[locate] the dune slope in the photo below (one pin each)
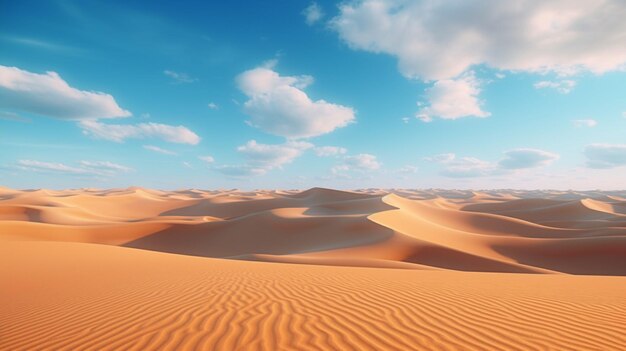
(72, 296)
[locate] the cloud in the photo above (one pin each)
(453, 99)
(516, 159)
(526, 158)
(272, 156)
(159, 150)
(213, 106)
(261, 158)
(562, 86)
(579, 123)
(407, 169)
(327, 151)
(360, 162)
(12, 116)
(105, 166)
(466, 167)
(207, 159)
(278, 105)
(240, 170)
(120, 132)
(179, 77)
(313, 13)
(605, 155)
(435, 40)
(85, 168)
(49, 95)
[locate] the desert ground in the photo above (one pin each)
(321, 269)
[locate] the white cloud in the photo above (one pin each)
(327, 151)
(436, 40)
(120, 132)
(261, 158)
(159, 150)
(213, 106)
(240, 170)
(516, 159)
(407, 169)
(579, 123)
(453, 99)
(605, 155)
(562, 86)
(467, 167)
(187, 164)
(526, 158)
(85, 168)
(313, 13)
(207, 159)
(105, 165)
(272, 156)
(178, 77)
(277, 105)
(441, 158)
(49, 95)
(360, 162)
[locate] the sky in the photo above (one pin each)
(294, 94)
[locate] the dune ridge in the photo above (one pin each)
(506, 231)
(321, 269)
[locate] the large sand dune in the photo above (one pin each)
(191, 269)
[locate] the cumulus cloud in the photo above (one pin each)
(453, 99)
(327, 151)
(159, 150)
(49, 95)
(562, 86)
(605, 155)
(278, 105)
(526, 158)
(84, 168)
(120, 132)
(178, 77)
(436, 40)
(516, 159)
(579, 123)
(312, 14)
(213, 106)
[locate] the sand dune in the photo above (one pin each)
(402, 269)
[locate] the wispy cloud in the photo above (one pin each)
(513, 160)
(89, 168)
(589, 123)
(561, 86)
(121, 132)
(178, 77)
(159, 150)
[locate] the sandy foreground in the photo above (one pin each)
(144, 269)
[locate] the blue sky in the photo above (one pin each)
(295, 94)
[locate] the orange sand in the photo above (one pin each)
(152, 270)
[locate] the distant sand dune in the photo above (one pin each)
(142, 269)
